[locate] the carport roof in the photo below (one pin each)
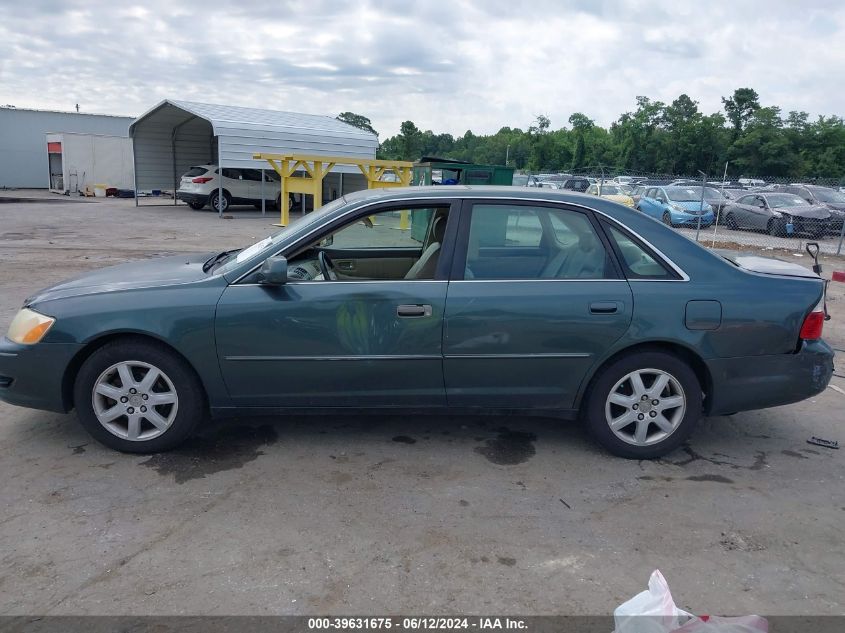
(225, 118)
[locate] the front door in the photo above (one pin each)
(536, 302)
(369, 335)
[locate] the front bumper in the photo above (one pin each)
(32, 375)
(691, 219)
(758, 382)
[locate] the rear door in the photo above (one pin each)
(535, 299)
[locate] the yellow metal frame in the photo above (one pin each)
(317, 167)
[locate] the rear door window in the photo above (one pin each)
(525, 242)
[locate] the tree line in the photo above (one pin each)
(656, 138)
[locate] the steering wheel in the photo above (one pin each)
(326, 266)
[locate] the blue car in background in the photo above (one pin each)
(676, 206)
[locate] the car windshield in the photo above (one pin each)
(829, 195)
(785, 200)
(611, 190)
(297, 225)
(687, 194)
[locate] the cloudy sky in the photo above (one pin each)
(447, 66)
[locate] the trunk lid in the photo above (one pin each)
(766, 265)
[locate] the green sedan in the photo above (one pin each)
(435, 299)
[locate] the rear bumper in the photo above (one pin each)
(758, 382)
(31, 375)
(192, 198)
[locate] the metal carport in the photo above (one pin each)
(174, 135)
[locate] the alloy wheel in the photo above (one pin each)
(645, 407)
(134, 400)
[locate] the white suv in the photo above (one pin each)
(199, 187)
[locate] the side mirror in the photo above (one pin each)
(274, 271)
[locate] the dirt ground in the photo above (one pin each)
(386, 515)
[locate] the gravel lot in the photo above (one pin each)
(377, 515)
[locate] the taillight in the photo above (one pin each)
(811, 329)
(201, 180)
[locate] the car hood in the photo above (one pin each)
(766, 265)
(816, 212)
(626, 200)
(150, 273)
(838, 207)
(692, 205)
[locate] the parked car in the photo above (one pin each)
(338, 312)
(636, 192)
(556, 181)
(525, 180)
(611, 192)
(778, 214)
(734, 193)
(712, 196)
(832, 200)
(576, 183)
(199, 187)
(676, 206)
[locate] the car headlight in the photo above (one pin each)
(677, 207)
(28, 327)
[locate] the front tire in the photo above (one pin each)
(730, 221)
(196, 206)
(667, 219)
(137, 396)
(643, 405)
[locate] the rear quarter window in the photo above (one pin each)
(193, 172)
(637, 261)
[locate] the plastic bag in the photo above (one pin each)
(654, 611)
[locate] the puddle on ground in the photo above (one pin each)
(231, 447)
(510, 448)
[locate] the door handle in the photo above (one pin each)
(413, 311)
(604, 307)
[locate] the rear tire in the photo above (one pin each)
(620, 408)
(122, 411)
(212, 201)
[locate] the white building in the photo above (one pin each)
(78, 161)
(24, 159)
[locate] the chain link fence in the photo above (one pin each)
(743, 213)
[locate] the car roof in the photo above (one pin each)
(472, 191)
